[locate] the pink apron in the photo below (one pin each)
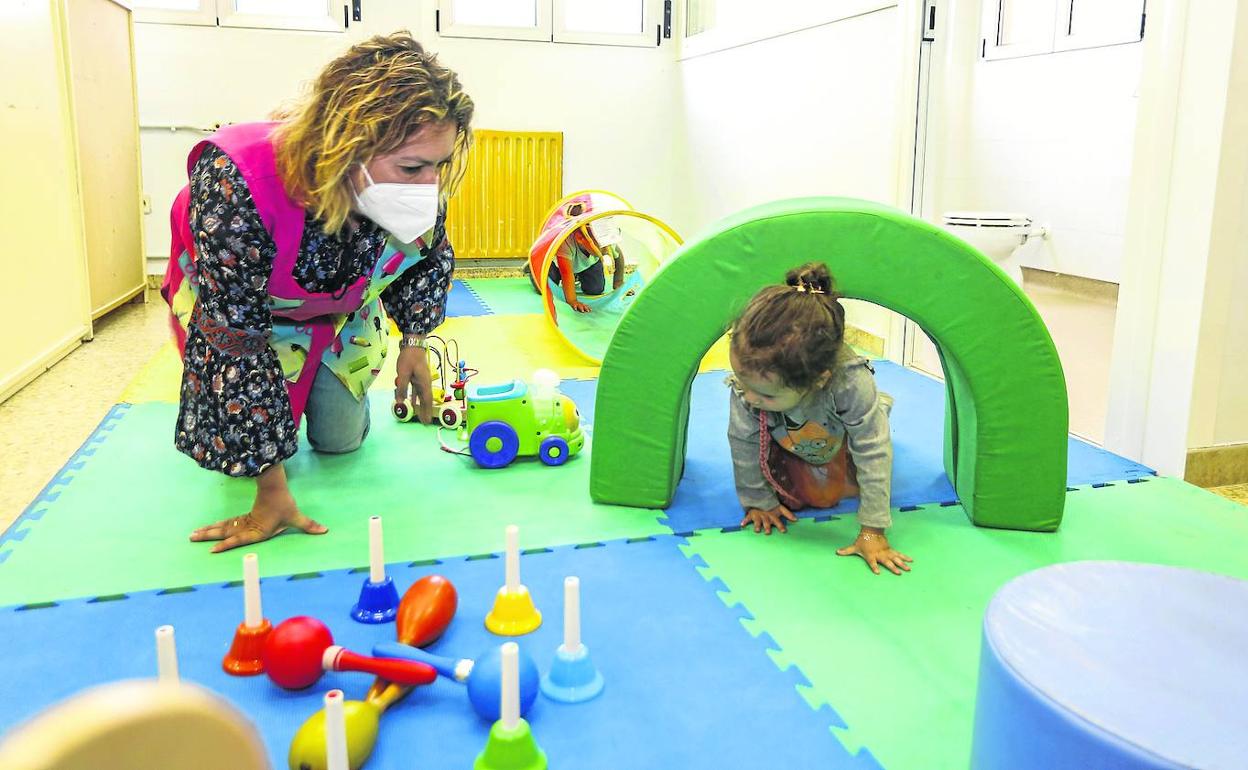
(316, 322)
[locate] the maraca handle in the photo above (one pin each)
(445, 666)
(407, 672)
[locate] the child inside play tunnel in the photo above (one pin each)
(807, 425)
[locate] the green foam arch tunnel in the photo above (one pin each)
(1006, 419)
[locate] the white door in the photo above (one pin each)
(917, 351)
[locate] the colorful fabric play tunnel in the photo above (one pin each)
(1105, 664)
(1006, 411)
(631, 246)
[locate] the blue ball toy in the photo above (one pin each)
(485, 684)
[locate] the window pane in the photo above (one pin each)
(299, 8)
(496, 13)
(1099, 17)
(699, 16)
(1025, 21)
(609, 16)
(167, 5)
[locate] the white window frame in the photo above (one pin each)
(708, 10)
(204, 16)
(649, 37)
(448, 27)
(221, 13)
(551, 28)
(768, 24)
(993, 49)
(1059, 38)
(1064, 41)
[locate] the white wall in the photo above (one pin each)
(1231, 417)
(813, 112)
(1178, 363)
(1231, 423)
(1220, 394)
(613, 104)
(1050, 136)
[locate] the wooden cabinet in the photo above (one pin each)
(101, 73)
(70, 219)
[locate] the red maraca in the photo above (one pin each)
(300, 649)
(425, 611)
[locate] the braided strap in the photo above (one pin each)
(764, 461)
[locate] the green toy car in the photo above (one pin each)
(503, 423)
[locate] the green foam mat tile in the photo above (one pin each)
(506, 296)
(897, 657)
(119, 517)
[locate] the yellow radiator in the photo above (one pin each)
(513, 179)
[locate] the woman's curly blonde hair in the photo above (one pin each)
(365, 103)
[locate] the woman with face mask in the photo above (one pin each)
(294, 245)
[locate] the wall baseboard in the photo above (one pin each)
(43, 362)
(1217, 466)
(1091, 288)
(864, 340)
(493, 267)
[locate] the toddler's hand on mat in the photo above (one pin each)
(873, 547)
(765, 520)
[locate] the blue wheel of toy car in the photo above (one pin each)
(554, 451)
(493, 444)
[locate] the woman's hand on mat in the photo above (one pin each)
(765, 520)
(273, 512)
(873, 547)
(413, 370)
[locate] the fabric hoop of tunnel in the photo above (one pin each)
(607, 226)
(1006, 412)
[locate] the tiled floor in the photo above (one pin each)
(1236, 492)
(63, 405)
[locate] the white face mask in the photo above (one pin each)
(606, 233)
(407, 211)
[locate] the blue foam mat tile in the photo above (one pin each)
(463, 301)
(706, 496)
(830, 715)
(767, 641)
(796, 676)
(697, 561)
(683, 677)
(865, 760)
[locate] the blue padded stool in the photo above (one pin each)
(1103, 664)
